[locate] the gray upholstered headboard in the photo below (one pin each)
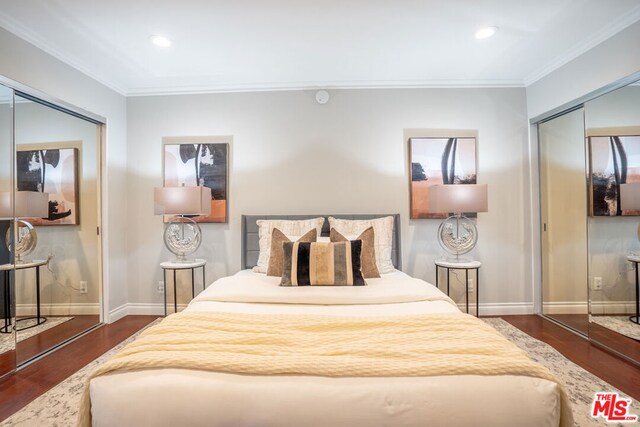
(250, 239)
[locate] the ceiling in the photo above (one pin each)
(243, 45)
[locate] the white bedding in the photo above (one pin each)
(392, 294)
(169, 397)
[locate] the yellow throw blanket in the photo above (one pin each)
(330, 346)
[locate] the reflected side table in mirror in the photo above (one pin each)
(635, 259)
(6, 269)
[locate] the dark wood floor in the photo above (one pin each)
(30, 382)
(37, 378)
(619, 373)
(579, 322)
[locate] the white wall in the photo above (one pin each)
(29, 65)
(292, 155)
(611, 60)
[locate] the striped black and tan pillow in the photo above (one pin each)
(322, 264)
(368, 260)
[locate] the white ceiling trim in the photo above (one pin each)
(13, 27)
(120, 87)
(607, 32)
(270, 87)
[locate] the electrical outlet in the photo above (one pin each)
(597, 283)
(83, 287)
(161, 287)
(472, 285)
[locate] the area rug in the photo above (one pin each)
(7, 341)
(581, 385)
(59, 406)
(619, 324)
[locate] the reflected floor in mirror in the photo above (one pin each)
(615, 341)
(619, 324)
(578, 322)
(61, 329)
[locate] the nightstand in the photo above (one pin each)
(461, 265)
(175, 266)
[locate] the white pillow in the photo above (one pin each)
(293, 229)
(383, 237)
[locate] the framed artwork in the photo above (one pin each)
(613, 160)
(438, 161)
(204, 161)
(53, 171)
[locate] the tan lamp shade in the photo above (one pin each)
(182, 200)
(29, 204)
(458, 198)
(630, 196)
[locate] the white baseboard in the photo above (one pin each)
(58, 309)
(502, 308)
(565, 307)
(613, 307)
(581, 307)
(140, 309)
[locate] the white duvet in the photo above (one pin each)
(391, 288)
(169, 397)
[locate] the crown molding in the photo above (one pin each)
(120, 87)
(331, 85)
(20, 31)
(607, 32)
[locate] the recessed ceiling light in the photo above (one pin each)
(160, 41)
(486, 32)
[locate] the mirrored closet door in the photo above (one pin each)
(613, 136)
(7, 333)
(563, 203)
(57, 274)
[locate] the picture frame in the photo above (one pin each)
(438, 160)
(200, 160)
(53, 169)
(613, 160)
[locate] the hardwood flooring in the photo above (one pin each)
(37, 378)
(30, 382)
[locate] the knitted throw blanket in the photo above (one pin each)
(329, 346)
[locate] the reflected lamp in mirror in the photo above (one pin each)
(28, 204)
(183, 235)
(458, 234)
(630, 198)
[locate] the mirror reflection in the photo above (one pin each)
(7, 333)
(563, 213)
(56, 207)
(613, 136)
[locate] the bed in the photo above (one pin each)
(172, 396)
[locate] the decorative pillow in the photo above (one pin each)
(277, 240)
(368, 258)
(293, 229)
(383, 237)
(328, 264)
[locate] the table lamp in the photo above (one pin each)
(28, 204)
(182, 236)
(630, 198)
(458, 234)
